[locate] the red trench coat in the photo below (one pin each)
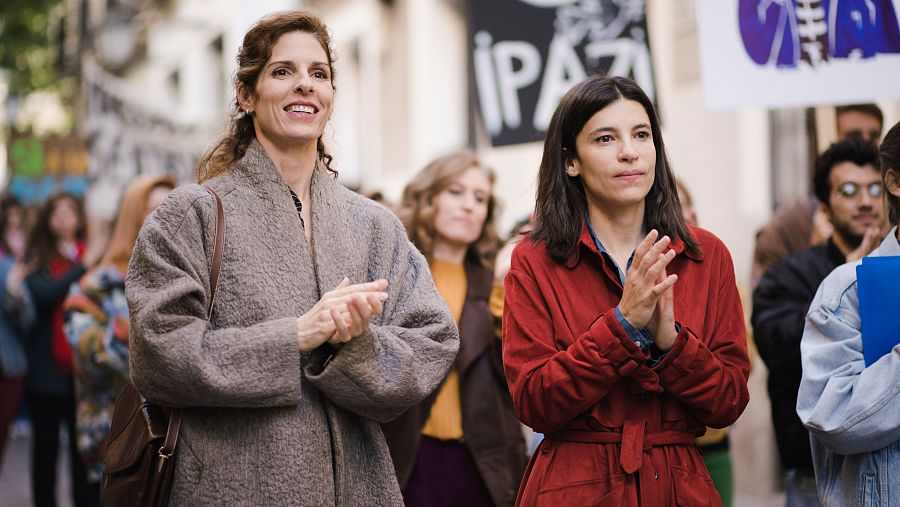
(619, 432)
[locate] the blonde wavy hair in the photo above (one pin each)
(417, 209)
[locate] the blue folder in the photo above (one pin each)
(879, 305)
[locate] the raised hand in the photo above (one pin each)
(643, 282)
(341, 314)
(662, 322)
(872, 238)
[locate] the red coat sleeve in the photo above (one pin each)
(709, 373)
(549, 386)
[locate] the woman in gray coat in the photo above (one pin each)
(326, 320)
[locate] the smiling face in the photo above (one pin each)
(615, 156)
(294, 93)
(462, 208)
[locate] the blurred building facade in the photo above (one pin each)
(156, 90)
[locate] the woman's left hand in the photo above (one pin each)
(662, 323)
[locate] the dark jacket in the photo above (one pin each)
(780, 303)
(48, 293)
(491, 431)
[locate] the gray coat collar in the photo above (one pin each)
(333, 248)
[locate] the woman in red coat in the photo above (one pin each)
(623, 330)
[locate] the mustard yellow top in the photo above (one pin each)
(495, 305)
(445, 420)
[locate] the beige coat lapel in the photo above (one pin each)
(265, 180)
(336, 240)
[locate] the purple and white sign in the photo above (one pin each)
(794, 53)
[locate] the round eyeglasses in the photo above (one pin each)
(850, 190)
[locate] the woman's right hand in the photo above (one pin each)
(642, 282)
(341, 314)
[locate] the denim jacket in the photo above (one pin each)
(16, 315)
(852, 412)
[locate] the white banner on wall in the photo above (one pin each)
(798, 53)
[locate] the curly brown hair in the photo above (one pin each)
(252, 57)
(417, 208)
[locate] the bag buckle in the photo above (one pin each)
(163, 456)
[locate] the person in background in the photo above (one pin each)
(714, 444)
(848, 182)
(54, 253)
(16, 314)
(687, 203)
(518, 232)
(853, 411)
(376, 196)
(463, 445)
(325, 322)
(623, 332)
(12, 228)
(97, 326)
(804, 224)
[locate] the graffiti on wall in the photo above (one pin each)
(527, 53)
(40, 167)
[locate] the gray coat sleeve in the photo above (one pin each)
(406, 352)
(176, 359)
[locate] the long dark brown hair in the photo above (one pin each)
(252, 57)
(561, 204)
(890, 161)
(417, 208)
(42, 246)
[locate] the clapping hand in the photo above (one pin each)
(341, 314)
(647, 298)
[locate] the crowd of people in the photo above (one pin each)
(359, 354)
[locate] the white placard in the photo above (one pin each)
(798, 53)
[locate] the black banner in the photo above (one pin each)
(527, 53)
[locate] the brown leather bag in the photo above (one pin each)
(138, 464)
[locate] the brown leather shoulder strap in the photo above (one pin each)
(168, 447)
(218, 249)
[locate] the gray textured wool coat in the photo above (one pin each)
(265, 424)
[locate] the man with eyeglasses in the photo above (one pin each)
(800, 225)
(848, 184)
